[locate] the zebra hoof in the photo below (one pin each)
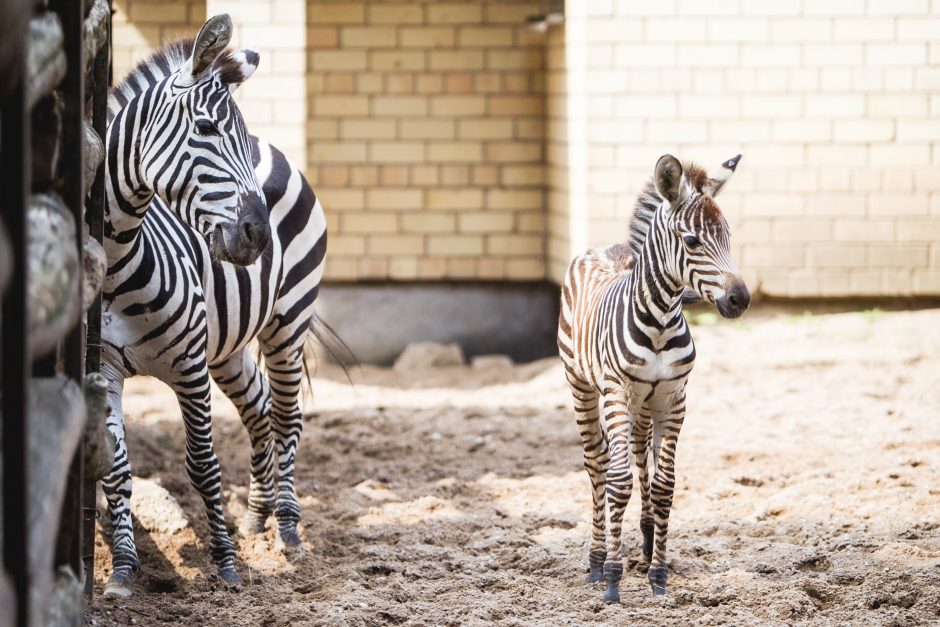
(119, 585)
(612, 593)
(252, 524)
(287, 538)
(657, 579)
(596, 575)
(229, 576)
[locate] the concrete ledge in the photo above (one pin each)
(378, 320)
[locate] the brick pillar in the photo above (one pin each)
(274, 100)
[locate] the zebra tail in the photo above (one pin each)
(323, 335)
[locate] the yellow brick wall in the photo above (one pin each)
(139, 26)
(425, 138)
(834, 103)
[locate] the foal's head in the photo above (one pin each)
(695, 234)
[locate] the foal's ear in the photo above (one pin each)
(212, 39)
(720, 175)
(668, 179)
(238, 67)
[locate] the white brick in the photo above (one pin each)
(896, 54)
(897, 7)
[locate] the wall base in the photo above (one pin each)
(377, 321)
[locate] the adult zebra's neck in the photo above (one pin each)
(129, 105)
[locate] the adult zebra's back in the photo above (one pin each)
(213, 239)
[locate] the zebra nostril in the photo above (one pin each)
(248, 228)
(734, 300)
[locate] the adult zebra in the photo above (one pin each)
(628, 352)
(213, 238)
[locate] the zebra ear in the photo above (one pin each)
(239, 67)
(212, 39)
(669, 181)
(720, 175)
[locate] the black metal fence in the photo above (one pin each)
(54, 76)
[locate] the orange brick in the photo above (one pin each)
(424, 175)
(508, 152)
(333, 60)
(330, 13)
(485, 175)
(403, 268)
(485, 36)
(456, 60)
(457, 105)
(400, 83)
(486, 128)
(427, 222)
(396, 245)
(440, 13)
(399, 106)
(454, 199)
(515, 245)
(388, 199)
(340, 106)
(455, 245)
(370, 222)
(397, 60)
(323, 36)
(455, 175)
(397, 152)
(367, 36)
(428, 129)
(463, 152)
(437, 37)
(405, 13)
(364, 175)
(485, 222)
(461, 268)
(515, 105)
(367, 129)
(458, 83)
(394, 175)
(334, 176)
(430, 84)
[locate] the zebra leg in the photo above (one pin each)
(666, 426)
(596, 460)
(285, 372)
(642, 431)
(202, 465)
(117, 490)
(619, 486)
(243, 382)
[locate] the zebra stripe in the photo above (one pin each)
(213, 239)
(628, 352)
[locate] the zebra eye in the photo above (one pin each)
(691, 241)
(206, 128)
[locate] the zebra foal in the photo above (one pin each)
(628, 352)
(213, 239)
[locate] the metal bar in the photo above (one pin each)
(95, 220)
(72, 16)
(15, 157)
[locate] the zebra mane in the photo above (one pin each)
(158, 66)
(649, 201)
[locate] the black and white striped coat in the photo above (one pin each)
(628, 352)
(213, 239)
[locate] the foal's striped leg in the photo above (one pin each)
(596, 460)
(642, 432)
(666, 427)
(619, 484)
(242, 381)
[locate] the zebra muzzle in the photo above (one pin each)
(241, 242)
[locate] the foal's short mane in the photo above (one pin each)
(158, 66)
(649, 201)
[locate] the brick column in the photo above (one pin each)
(274, 100)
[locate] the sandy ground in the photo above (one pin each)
(808, 493)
